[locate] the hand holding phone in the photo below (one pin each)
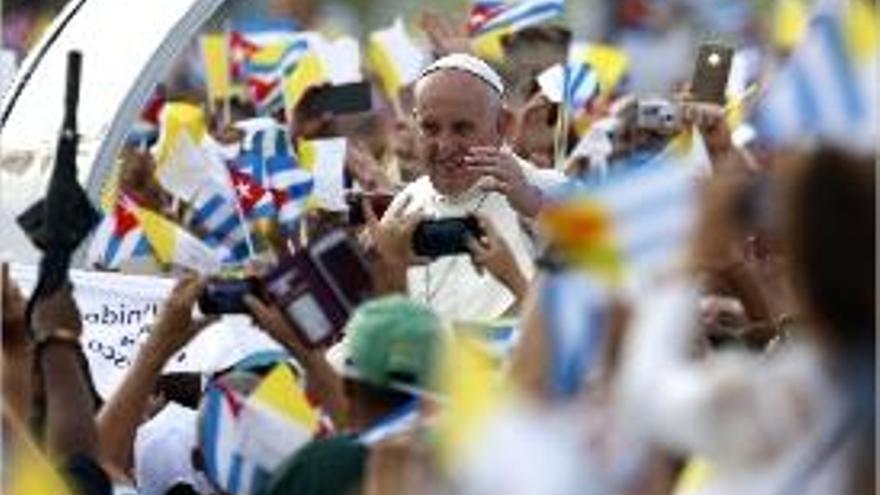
(491, 251)
(336, 100)
(714, 61)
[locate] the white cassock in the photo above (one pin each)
(450, 285)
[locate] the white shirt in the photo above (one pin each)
(757, 420)
(450, 285)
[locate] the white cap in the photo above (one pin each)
(470, 64)
(163, 452)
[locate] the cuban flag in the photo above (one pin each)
(117, 238)
(269, 160)
(226, 221)
(244, 439)
(493, 15)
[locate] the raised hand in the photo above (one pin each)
(175, 327)
(447, 35)
(491, 252)
(502, 173)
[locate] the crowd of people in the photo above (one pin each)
(681, 307)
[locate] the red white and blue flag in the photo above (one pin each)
(493, 15)
(118, 237)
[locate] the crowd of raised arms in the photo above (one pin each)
(474, 252)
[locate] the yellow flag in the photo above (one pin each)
(488, 46)
(584, 232)
(172, 244)
(110, 189)
(610, 63)
(860, 28)
(395, 57)
(694, 478)
(29, 471)
(215, 56)
(175, 119)
(470, 381)
(790, 20)
(281, 392)
(308, 72)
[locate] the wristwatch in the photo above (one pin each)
(43, 337)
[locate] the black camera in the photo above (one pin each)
(444, 237)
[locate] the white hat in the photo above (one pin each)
(470, 64)
(163, 452)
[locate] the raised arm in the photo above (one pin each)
(121, 416)
(17, 350)
(70, 425)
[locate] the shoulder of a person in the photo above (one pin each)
(418, 187)
(414, 195)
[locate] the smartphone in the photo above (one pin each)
(712, 70)
(226, 296)
(341, 99)
(378, 201)
(445, 237)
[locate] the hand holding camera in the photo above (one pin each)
(175, 327)
(491, 252)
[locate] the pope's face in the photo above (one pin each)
(454, 111)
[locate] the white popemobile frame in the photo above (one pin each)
(122, 61)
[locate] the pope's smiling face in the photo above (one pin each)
(454, 111)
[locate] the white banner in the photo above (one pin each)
(117, 311)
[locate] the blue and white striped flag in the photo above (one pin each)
(576, 84)
(637, 221)
(828, 91)
(220, 225)
(576, 317)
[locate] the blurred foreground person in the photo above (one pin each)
(799, 421)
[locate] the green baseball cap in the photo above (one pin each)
(392, 342)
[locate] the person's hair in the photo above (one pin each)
(182, 489)
(375, 399)
(546, 34)
(830, 227)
